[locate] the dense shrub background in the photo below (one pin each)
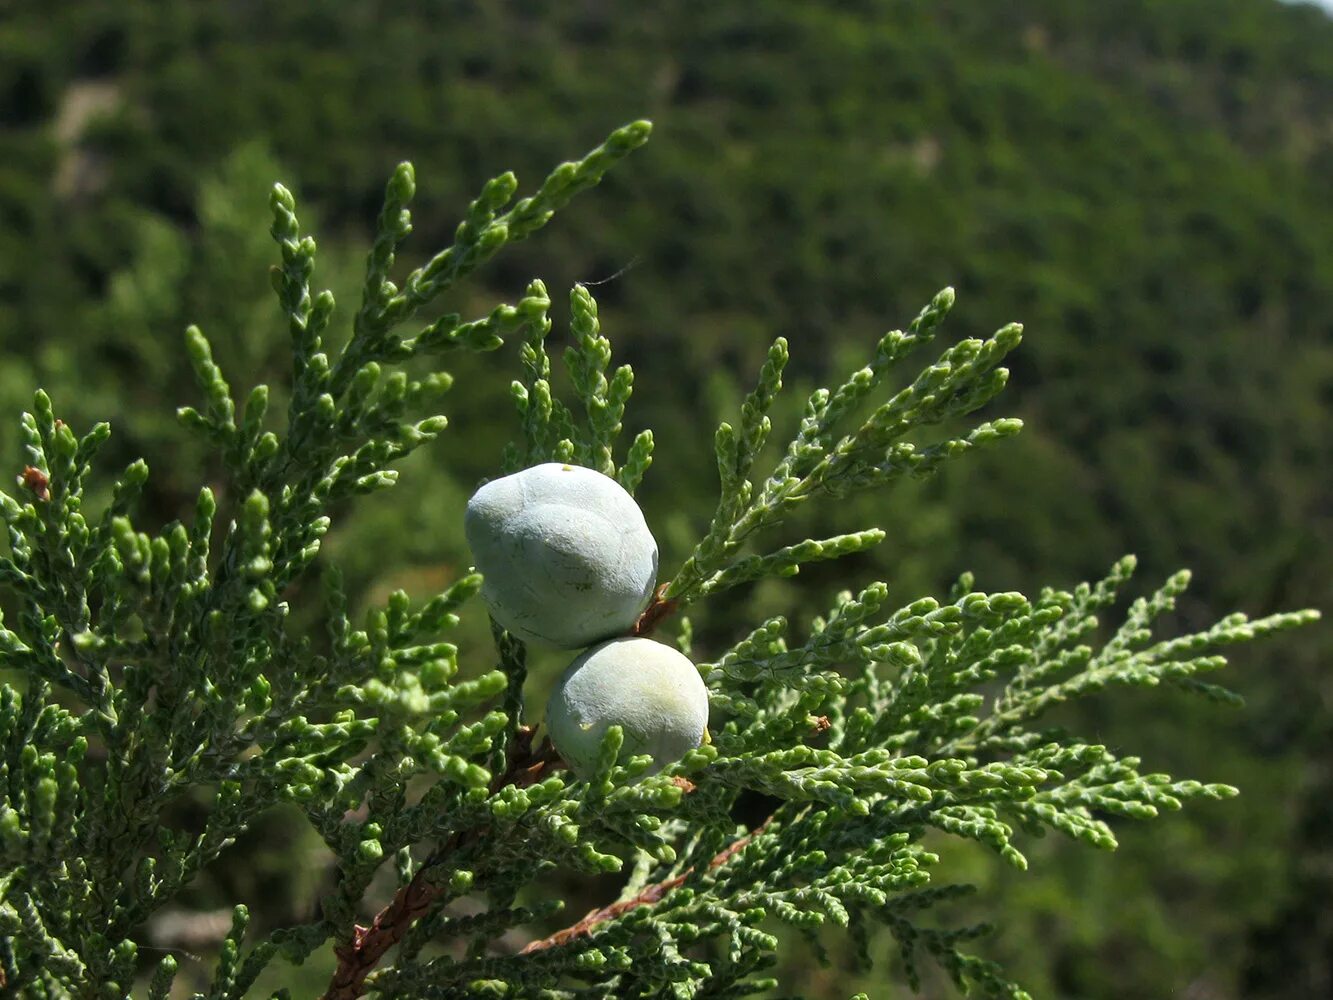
(1147, 186)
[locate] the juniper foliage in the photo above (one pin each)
(153, 665)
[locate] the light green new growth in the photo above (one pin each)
(156, 664)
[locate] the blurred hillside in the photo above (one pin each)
(1148, 186)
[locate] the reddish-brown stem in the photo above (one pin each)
(359, 956)
(647, 897)
(661, 607)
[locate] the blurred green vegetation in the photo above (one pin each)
(1148, 186)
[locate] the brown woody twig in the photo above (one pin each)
(660, 608)
(359, 956)
(648, 896)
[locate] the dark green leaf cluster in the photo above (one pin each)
(163, 664)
